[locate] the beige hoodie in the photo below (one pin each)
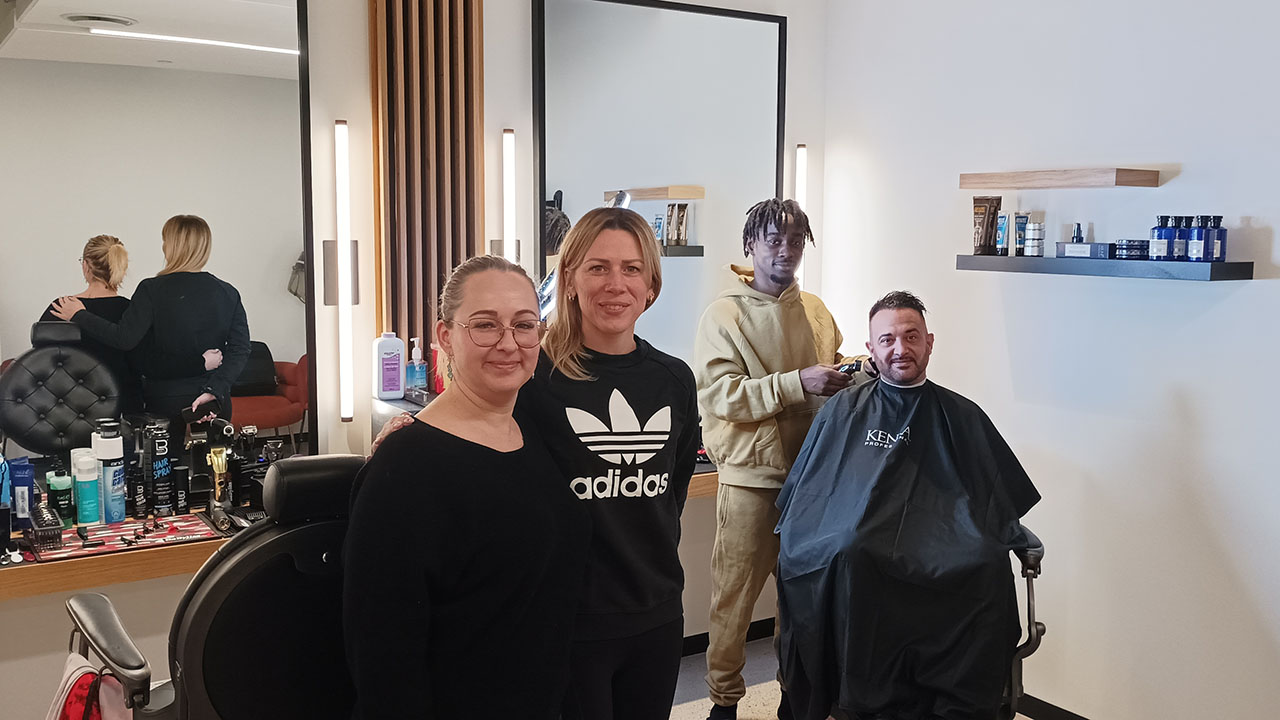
(748, 355)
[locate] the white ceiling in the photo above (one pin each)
(36, 30)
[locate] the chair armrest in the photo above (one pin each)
(1031, 555)
(96, 619)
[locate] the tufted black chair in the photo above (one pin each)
(50, 395)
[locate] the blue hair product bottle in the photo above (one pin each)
(1200, 241)
(1219, 239)
(1161, 247)
(1181, 234)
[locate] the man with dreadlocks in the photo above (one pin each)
(765, 360)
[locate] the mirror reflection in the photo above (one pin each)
(678, 108)
(112, 135)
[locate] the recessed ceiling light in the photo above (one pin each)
(194, 41)
(98, 20)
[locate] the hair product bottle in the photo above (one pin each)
(1161, 247)
(1219, 238)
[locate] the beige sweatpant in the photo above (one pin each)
(745, 554)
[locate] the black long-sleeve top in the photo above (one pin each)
(122, 364)
(626, 444)
(462, 573)
(185, 314)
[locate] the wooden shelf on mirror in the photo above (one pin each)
(666, 192)
(1151, 269)
(682, 250)
(1041, 179)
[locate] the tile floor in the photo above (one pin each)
(763, 693)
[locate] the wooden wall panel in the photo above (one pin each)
(428, 64)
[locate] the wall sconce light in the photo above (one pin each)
(343, 252)
(510, 246)
(801, 194)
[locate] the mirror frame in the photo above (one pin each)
(311, 436)
(539, 9)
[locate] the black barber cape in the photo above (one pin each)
(895, 587)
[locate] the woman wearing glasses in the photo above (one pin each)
(620, 419)
(465, 551)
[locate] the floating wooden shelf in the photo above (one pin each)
(1037, 179)
(667, 192)
(682, 250)
(1154, 269)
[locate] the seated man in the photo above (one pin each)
(895, 591)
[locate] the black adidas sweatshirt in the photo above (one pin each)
(626, 443)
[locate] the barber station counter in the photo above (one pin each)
(39, 578)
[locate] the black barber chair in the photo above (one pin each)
(51, 394)
(258, 633)
(1030, 558)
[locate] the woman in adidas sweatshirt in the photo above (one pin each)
(620, 419)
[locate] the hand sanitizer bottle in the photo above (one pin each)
(417, 374)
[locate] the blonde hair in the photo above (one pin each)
(186, 241)
(455, 287)
(564, 340)
(106, 259)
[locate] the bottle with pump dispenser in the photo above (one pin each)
(388, 367)
(416, 372)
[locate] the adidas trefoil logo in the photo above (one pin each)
(627, 442)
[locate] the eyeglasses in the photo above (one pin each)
(487, 333)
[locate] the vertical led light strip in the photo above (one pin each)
(342, 185)
(509, 195)
(801, 195)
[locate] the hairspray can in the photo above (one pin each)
(109, 446)
(161, 471)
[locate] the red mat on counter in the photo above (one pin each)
(176, 530)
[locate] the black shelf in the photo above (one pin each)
(1154, 269)
(682, 250)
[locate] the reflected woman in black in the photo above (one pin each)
(173, 319)
(104, 262)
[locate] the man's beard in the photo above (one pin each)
(783, 280)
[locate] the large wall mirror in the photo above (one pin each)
(681, 101)
(103, 134)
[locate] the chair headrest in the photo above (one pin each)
(54, 332)
(310, 487)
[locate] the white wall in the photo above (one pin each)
(1144, 410)
(98, 149)
(341, 90)
(678, 98)
(508, 103)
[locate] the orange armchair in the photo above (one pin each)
(282, 410)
